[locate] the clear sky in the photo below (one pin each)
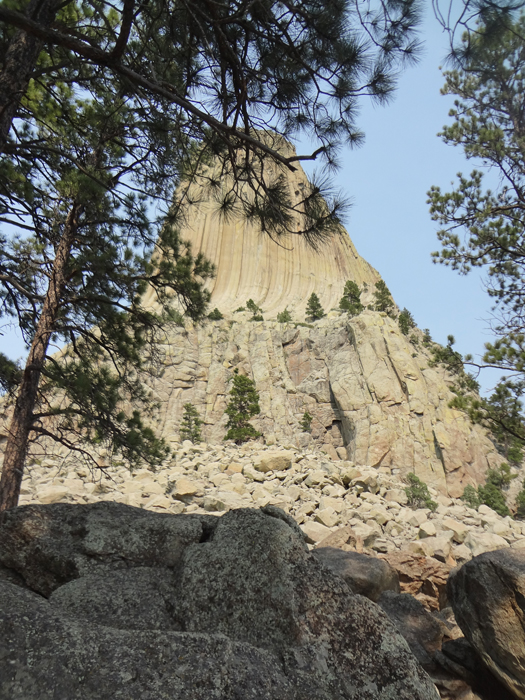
(387, 180)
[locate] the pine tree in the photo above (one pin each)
(406, 321)
(190, 425)
(77, 275)
(384, 301)
(483, 227)
(306, 422)
(351, 299)
(255, 310)
(314, 310)
(215, 315)
(243, 405)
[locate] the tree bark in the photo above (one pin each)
(22, 421)
(19, 63)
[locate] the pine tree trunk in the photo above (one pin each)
(19, 63)
(22, 421)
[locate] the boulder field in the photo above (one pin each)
(255, 572)
(324, 496)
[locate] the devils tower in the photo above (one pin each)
(372, 393)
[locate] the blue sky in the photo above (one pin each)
(387, 180)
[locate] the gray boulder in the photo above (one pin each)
(364, 574)
(488, 598)
(130, 599)
(246, 612)
(46, 655)
(51, 545)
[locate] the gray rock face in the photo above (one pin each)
(364, 574)
(488, 598)
(132, 599)
(47, 655)
(49, 546)
(246, 612)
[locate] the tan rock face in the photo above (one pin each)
(372, 395)
(369, 396)
(274, 275)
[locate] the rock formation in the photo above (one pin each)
(95, 594)
(374, 398)
(275, 274)
(372, 394)
(241, 610)
(336, 505)
(488, 597)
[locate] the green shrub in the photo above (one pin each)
(515, 454)
(427, 338)
(284, 317)
(252, 306)
(520, 503)
(406, 321)
(241, 308)
(447, 356)
(470, 496)
(306, 422)
(491, 494)
(314, 310)
(215, 315)
(418, 494)
(190, 425)
(501, 476)
(243, 404)
(256, 310)
(493, 497)
(414, 340)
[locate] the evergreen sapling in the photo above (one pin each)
(190, 426)
(243, 404)
(351, 299)
(384, 301)
(306, 422)
(314, 310)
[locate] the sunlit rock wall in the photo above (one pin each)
(250, 265)
(373, 396)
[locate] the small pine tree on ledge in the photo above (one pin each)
(384, 301)
(190, 426)
(351, 299)
(314, 310)
(243, 404)
(406, 321)
(306, 422)
(284, 316)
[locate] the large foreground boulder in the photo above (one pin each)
(241, 611)
(488, 598)
(51, 545)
